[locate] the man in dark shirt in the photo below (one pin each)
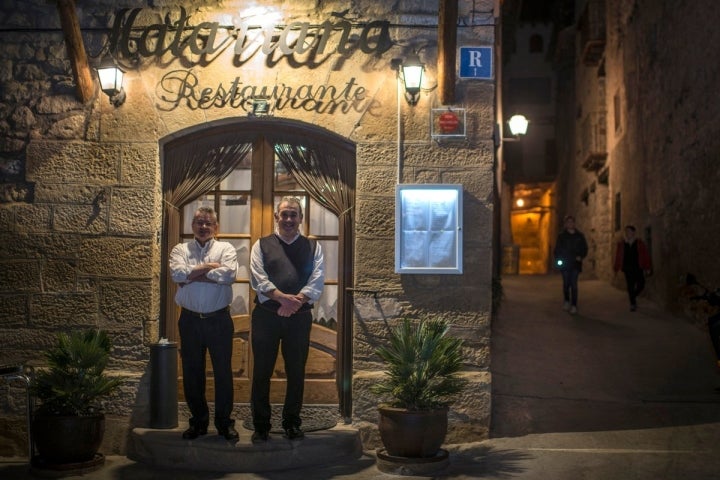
(570, 249)
(287, 275)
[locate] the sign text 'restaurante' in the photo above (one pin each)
(181, 87)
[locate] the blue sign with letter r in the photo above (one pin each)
(476, 62)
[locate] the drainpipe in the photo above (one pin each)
(399, 131)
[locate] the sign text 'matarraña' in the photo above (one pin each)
(204, 42)
(206, 39)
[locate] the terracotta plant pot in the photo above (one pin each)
(414, 434)
(68, 439)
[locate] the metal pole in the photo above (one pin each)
(19, 372)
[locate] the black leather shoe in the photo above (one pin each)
(229, 433)
(194, 431)
(294, 433)
(258, 436)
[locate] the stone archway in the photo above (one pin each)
(269, 133)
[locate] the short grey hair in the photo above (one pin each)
(205, 211)
(289, 199)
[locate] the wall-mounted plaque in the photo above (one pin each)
(428, 228)
(448, 122)
(476, 62)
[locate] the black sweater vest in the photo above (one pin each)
(288, 266)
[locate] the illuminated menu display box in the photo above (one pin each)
(428, 229)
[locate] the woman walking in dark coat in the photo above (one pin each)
(632, 257)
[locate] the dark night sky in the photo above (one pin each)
(537, 10)
(559, 12)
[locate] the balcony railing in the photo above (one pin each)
(591, 27)
(593, 141)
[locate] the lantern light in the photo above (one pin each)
(260, 106)
(518, 125)
(111, 80)
(411, 71)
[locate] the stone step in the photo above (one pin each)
(211, 452)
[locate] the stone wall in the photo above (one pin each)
(671, 113)
(657, 80)
(80, 193)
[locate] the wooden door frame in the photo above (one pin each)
(247, 129)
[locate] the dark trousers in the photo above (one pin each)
(635, 280)
(291, 335)
(197, 336)
(570, 285)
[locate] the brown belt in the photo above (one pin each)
(206, 315)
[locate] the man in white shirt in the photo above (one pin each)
(288, 276)
(205, 270)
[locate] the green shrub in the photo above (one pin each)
(422, 364)
(75, 380)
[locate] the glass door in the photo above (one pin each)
(245, 202)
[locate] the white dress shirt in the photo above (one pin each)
(204, 297)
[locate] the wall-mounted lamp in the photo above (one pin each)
(518, 125)
(111, 80)
(411, 70)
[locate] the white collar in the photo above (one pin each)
(281, 237)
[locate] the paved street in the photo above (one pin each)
(603, 395)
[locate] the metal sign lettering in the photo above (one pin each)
(182, 39)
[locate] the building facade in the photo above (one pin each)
(232, 105)
(635, 137)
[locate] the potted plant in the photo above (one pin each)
(68, 424)
(423, 364)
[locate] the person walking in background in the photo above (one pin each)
(570, 249)
(205, 270)
(632, 257)
(288, 276)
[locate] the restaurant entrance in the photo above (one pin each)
(259, 168)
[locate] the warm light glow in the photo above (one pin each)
(265, 16)
(520, 202)
(518, 125)
(412, 73)
(111, 79)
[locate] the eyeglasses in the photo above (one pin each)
(201, 223)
